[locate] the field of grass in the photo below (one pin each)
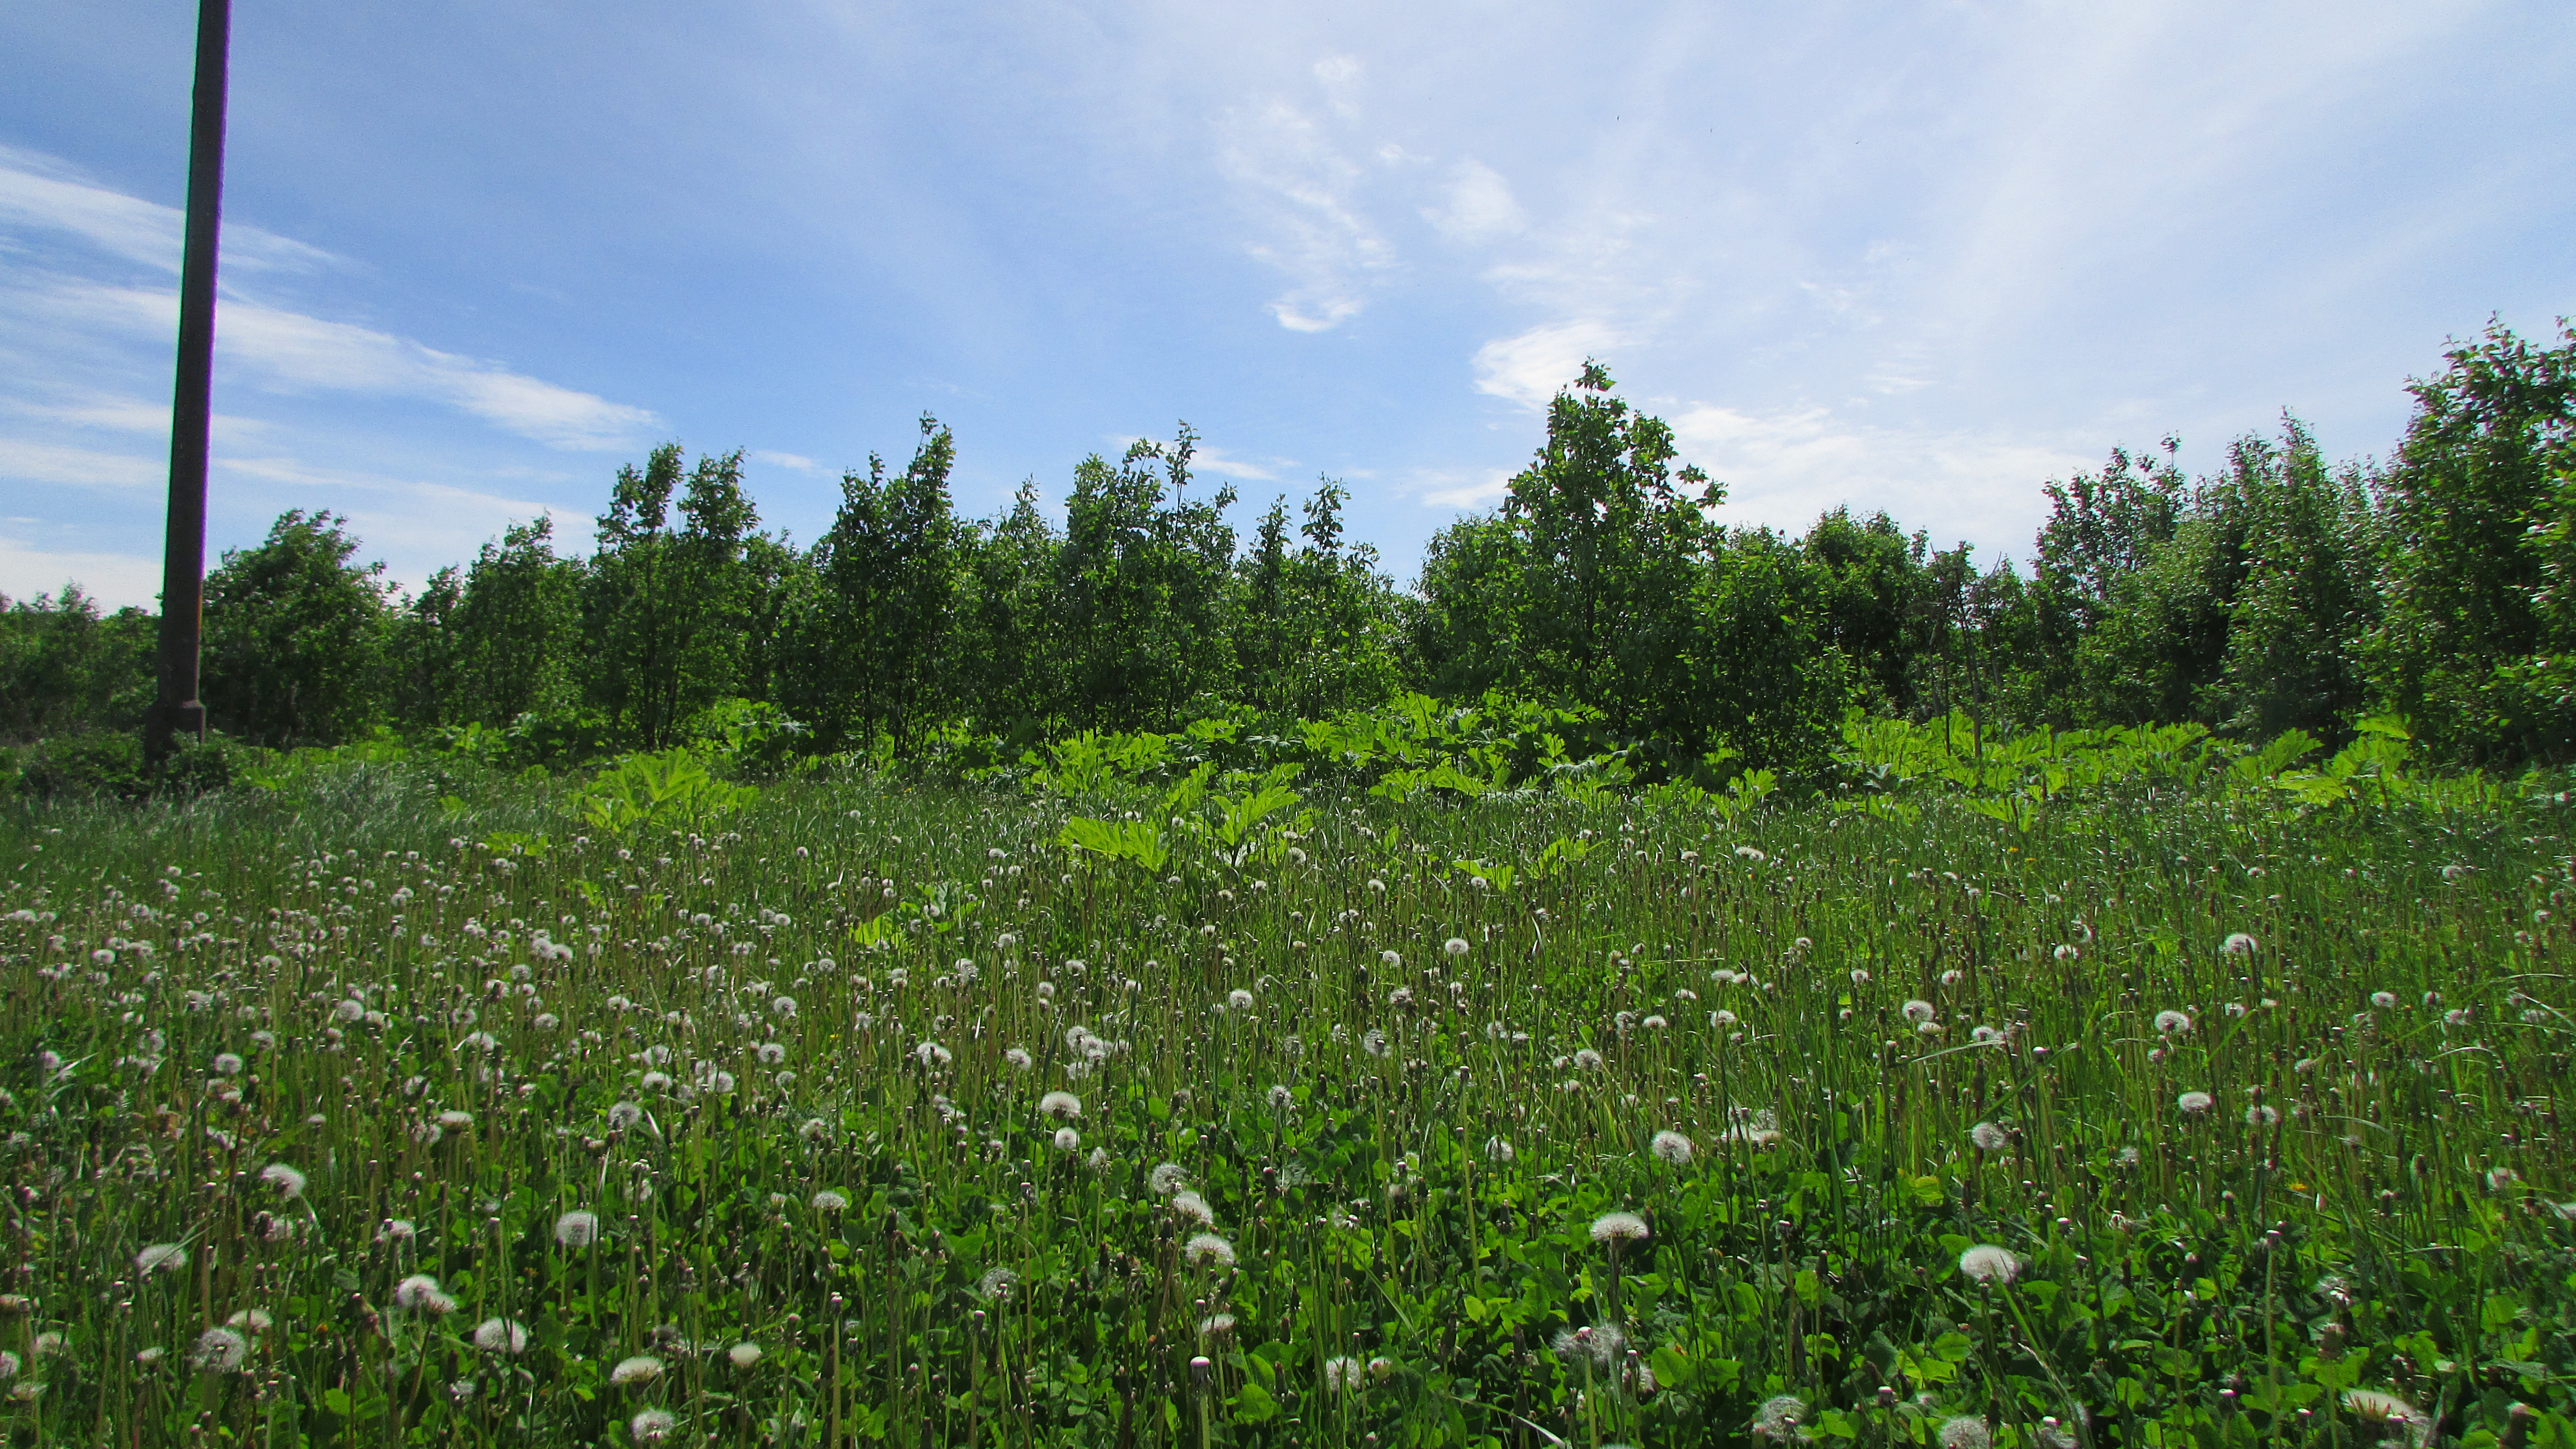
(379, 1109)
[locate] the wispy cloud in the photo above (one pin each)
(1531, 367)
(1302, 187)
(1476, 204)
(294, 352)
(794, 461)
(1464, 489)
(64, 465)
(41, 192)
(114, 579)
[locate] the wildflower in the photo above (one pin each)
(624, 1115)
(2195, 1103)
(2500, 1178)
(1342, 1374)
(1989, 1137)
(1498, 1149)
(1373, 1042)
(1238, 1000)
(1747, 852)
(829, 1201)
(397, 1230)
(1672, 1147)
(1216, 1325)
(346, 1010)
(1381, 1368)
(1067, 1140)
(655, 1082)
(1166, 1179)
(1208, 1248)
(455, 1121)
(1282, 1098)
(1098, 1161)
(2262, 1114)
(1060, 1104)
(254, 1319)
(1193, 1207)
(2373, 1406)
(2237, 944)
(641, 1369)
(1987, 1263)
(1588, 1060)
(2384, 1000)
(1389, 959)
(219, 1351)
(227, 1065)
(500, 1335)
(996, 1285)
(649, 1426)
(744, 1355)
(1019, 1058)
(1618, 1228)
(547, 1021)
(420, 1293)
(1917, 1011)
(146, 1356)
(160, 1256)
(1779, 1417)
(2172, 1023)
(577, 1229)
(1966, 1432)
(771, 1053)
(1599, 1345)
(1986, 1036)
(1454, 946)
(782, 1006)
(932, 1054)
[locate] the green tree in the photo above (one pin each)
(517, 625)
(1143, 582)
(1316, 628)
(665, 610)
(295, 636)
(2474, 512)
(66, 669)
(889, 568)
(1878, 602)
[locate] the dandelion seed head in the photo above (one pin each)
(160, 1257)
(1966, 1432)
(500, 1335)
(1455, 946)
(1986, 1263)
(2172, 1023)
(2237, 944)
(577, 1229)
(219, 1351)
(828, 1201)
(2195, 1103)
(1060, 1104)
(1067, 1140)
(1209, 1250)
(649, 1426)
(1918, 1010)
(1167, 1178)
(643, 1368)
(1672, 1147)
(1989, 1137)
(1618, 1228)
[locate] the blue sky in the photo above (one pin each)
(1920, 257)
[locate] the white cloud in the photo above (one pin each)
(1464, 489)
(62, 465)
(1477, 204)
(1532, 367)
(1340, 76)
(113, 579)
(1206, 457)
(1303, 190)
(1783, 468)
(293, 352)
(117, 414)
(38, 191)
(796, 461)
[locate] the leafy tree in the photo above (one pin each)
(1762, 676)
(889, 571)
(1316, 631)
(1878, 602)
(66, 669)
(2471, 648)
(665, 609)
(294, 636)
(517, 622)
(1142, 579)
(1008, 660)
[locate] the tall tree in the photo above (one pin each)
(295, 633)
(890, 568)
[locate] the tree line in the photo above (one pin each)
(2281, 591)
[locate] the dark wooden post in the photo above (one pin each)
(177, 711)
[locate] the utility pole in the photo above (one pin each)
(176, 710)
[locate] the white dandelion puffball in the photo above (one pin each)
(1193, 1207)
(1209, 1250)
(1498, 1149)
(1989, 1137)
(2383, 999)
(500, 1335)
(2195, 1103)
(1389, 958)
(1342, 1374)
(650, 1426)
(420, 1293)
(1067, 1140)
(577, 1229)
(1672, 1147)
(1987, 1263)
(1917, 1010)
(2237, 944)
(1455, 946)
(643, 1368)
(2172, 1023)
(219, 1351)
(1060, 1104)
(1282, 1098)
(287, 1181)
(160, 1257)
(1167, 1178)
(2380, 1408)
(227, 1065)
(1238, 1000)
(1618, 1228)
(1588, 1059)
(744, 1355)
(1966, 1433)
(828, 1201)
(1779, 1417)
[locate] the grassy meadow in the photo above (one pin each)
(389, 1106)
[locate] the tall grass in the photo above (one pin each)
(2179, 1119)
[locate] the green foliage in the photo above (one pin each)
(65, 669)
(665, 791)
(294, 637)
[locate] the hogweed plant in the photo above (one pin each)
(883, 1114)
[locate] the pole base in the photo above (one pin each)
(168, 724)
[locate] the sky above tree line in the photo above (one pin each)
(1918, 258)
